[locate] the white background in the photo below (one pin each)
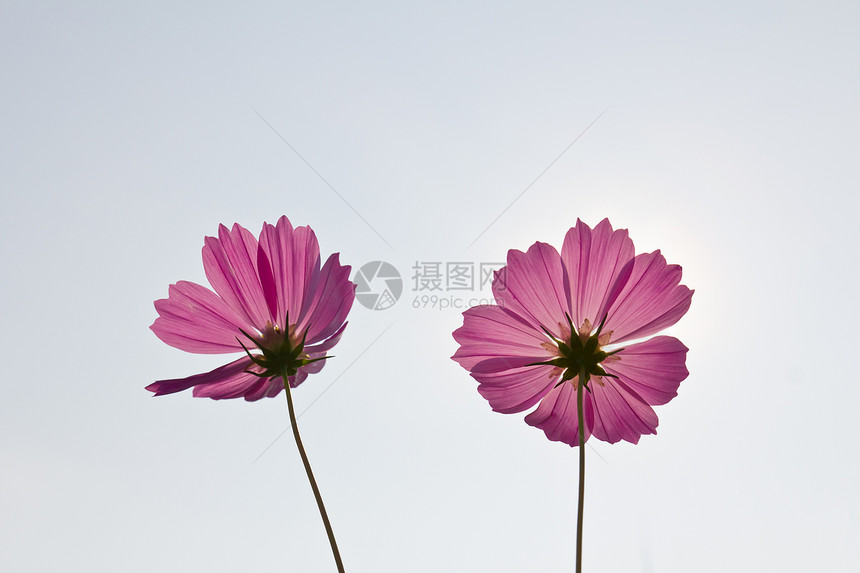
(728, 139)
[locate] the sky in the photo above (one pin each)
(430, 133)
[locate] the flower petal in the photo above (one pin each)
(314, 367)
(490, 331)
(532, 286)
(328, 301)
(620, 414)
(299, 377)
(195, 319)
(265, 388)
(295, 258)
(649, 301)
(227, 373)
(497, 346)
(267, 281)
(234, 387)
(500, 364)
(321, 348)
(653, 369)
(593, 261)
(275, 389)
(556, 415)
(517, 389)
(230, 262)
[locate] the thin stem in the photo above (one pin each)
(311, 479)
(581, 422)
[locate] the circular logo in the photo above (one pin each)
(378, 285)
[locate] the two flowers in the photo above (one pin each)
(569, 333)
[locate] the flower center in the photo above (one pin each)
(281, 354)
(581, 353)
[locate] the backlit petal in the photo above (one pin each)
(490, 332)
(235, 387)
(295, 259)
(620, 413)
(227, 373)
(532, 286)
(556, 415)
(230, 262)
(653, 369)
(518, 389)
(651, 299)
(298, 378)
(327, 344)
(267, 282)
(195, 319)
(329, 301)
(593, 261)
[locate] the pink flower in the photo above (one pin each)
(272, 302)
(558, 315)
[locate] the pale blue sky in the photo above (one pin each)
(728, 139)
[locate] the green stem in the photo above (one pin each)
(311, 479)
(580, 389)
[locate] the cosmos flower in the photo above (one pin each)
(272, 302)
(590, 309)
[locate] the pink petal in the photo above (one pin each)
(256, 390)
(620, 414)
(195, 319)
(230, 264)
(321, 348)
(275, 389)
(556, 415)
(652, 369)
(593, 261)
(532, 286)
(491, 332)
(496, 345)
(234, 387)
(265, 388)
(227, 373)
(298, 378)
(328, 302)
(314, 367)
(500, 364)
(267, 282)
(295, 258)
(649, 301)
(516, 389)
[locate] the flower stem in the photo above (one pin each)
(311, 479)
(581, 422)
